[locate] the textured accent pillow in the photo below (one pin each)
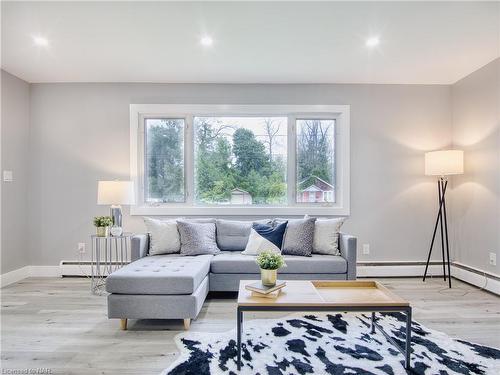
(299, 236)
(197, 238)
(163, 236)
(326, 236)
(265, 237)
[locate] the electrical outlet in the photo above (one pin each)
(366, 249)
(493, 259)
(81, 247)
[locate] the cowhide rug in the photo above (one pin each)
(330, 344)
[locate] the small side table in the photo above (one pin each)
(108, 254)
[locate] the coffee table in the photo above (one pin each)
(304, 295)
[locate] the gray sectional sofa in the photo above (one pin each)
(174, 286)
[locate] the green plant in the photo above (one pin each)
(103, 221)
(269, 260)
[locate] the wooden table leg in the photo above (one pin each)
(123, 324)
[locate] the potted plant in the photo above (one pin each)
(102, 224)
(270, 262)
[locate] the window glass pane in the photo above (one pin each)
(240, 160)
(164, 161)
(315, 161)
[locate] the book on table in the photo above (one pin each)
(258, 287)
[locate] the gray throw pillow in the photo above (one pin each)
(299, 237)
(197, 238)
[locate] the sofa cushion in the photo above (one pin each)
(234, 262)
(160, 274)
(233, 235)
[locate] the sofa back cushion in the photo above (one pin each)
(232, 235)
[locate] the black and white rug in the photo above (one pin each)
(330, 344)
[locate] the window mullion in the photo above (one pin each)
(189, 160)
(291, 161)
(141, 165)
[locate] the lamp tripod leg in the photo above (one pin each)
(446, 236)
(441, 196)
(435, 228)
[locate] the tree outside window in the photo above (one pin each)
(240, 160)
(315, 161)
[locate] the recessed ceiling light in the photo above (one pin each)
(206, 41)
(40, 41)
(372, 41)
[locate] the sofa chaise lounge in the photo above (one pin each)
(174, 286)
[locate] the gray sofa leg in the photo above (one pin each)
(123, 324)
(187, 323)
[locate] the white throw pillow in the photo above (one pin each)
(326, 236)
(163, 236)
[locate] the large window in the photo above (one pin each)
(240, 160)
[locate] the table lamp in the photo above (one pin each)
(115, 193)
(443, 164)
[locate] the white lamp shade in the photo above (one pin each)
(115, 192)
(444, 163)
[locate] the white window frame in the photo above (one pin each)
(341, 114)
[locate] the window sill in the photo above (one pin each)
(238, 211)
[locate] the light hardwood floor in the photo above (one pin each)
(57, 324)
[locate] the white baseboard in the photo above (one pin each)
(14, 276)
(28, 271)
(460, 271)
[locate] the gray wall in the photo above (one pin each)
(476, 194)
(80, 134)
(15, 157)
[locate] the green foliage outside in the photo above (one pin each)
(165, 164)
(245, 164)
(315, 152)
(269, 260)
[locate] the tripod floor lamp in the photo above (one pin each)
(442, 164)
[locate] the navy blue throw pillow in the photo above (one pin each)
(270, 233)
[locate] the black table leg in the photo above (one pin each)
(373, 322)
(239, 321)
(408, 339)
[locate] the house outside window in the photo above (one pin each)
(240, 160)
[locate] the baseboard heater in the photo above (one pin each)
(80, 268)
(470, 275)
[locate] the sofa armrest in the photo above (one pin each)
(139, 246)
(348, 251)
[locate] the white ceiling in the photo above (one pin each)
(299, 42)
